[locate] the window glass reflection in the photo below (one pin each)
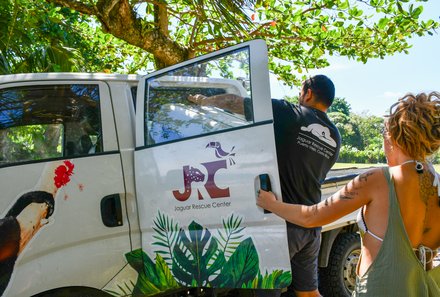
(200, 98)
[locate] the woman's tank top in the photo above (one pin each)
(396, 270)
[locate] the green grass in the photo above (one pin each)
(359, 165)
(354, 165)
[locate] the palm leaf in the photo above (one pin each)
(166, 236)
(124, 290)
(231, 235)
(196, 257)
(51, 58)
(230, 13)
(4, 65)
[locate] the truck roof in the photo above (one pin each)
(68, 76)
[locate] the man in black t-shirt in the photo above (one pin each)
(307, 145)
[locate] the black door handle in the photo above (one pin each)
(265, 182)
(265, 185)
(111, 210)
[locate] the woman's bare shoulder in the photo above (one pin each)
(370, 184)
(371, 175)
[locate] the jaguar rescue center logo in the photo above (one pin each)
(204, 175)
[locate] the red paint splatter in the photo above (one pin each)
(63, 173)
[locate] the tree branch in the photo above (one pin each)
(313, 8)
(109, 7)
(161, 17)
(75, 5)
(118, 18)
(193, 31)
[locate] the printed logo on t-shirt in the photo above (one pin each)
(323, 133)
(317, 138)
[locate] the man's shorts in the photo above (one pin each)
(304, 247)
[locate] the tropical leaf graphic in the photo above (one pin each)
(240, 268)
(124, 290)
(152, 278)
(166, 236)
(276, 279)
(216, 263)
(231, 235)
(194, 256)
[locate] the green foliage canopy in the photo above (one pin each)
(127, 35)
(52, 39)
(340, 105)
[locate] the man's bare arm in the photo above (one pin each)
(229, 102)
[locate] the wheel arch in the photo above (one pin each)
(327, 240)
(73, 291)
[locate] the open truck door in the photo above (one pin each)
(198, 167)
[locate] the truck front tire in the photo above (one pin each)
(339, 277)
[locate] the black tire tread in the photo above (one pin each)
(330, 277)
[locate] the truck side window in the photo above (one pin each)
(49, 121)
(204, 97)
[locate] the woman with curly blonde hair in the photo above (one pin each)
(399, 205)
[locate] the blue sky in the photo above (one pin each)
(372, 87)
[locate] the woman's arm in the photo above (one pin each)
(354, 195)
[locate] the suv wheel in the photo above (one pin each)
(338, 279)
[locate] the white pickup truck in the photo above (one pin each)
(117, 185)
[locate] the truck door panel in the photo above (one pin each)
(197, 164)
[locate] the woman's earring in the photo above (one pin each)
(419, 167)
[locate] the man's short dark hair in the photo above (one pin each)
(322, 87)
